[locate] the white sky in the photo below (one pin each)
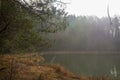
(93, 7)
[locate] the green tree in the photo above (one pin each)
(23, 23)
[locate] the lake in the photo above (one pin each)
(87, 63)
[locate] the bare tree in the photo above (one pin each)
(114, 26)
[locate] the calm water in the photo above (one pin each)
(87, 64)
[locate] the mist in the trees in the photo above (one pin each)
(88, 33)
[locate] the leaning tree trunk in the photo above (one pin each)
(3, 20)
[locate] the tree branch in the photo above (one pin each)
(4, 28)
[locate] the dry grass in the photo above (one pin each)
(32, 67)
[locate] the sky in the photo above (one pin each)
(93, 7)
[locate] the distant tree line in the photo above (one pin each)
(88, 33)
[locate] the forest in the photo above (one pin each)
(88, 33)
(25, 29)
(30, 28)
(23, 25)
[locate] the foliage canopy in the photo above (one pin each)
(23, 23)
